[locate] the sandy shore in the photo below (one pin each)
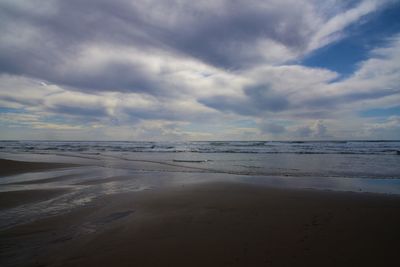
(216, 224)
(15, 198)
(10, 167)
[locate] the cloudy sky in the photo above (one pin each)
(199, 70)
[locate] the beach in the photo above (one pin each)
(209, 223)
(185, 133)
(10, 167)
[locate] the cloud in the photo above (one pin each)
(272, 128)
(169, 64)
(111, 46)
(277, 89)
(332, 29)
(236, 34)
(104, 107)
(76, 104)
(318, 130)
(389, 128)
(376, 78)
(33, 121)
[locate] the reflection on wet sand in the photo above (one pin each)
(77, 185)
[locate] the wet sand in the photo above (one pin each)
(214, 224)
(15, 198)
(12, 199)
(11, 167)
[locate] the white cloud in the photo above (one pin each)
(386, 129)
(332, 29)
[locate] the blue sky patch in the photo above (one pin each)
(381, 112)
(344, 55)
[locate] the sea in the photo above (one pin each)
(110, 167)
(376, 147)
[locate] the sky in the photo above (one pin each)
(199, 70)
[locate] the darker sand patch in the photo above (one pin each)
(10, 167)
(15, 198)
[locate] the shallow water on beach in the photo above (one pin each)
(109, 172)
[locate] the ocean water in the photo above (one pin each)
(114, 167)
(256, 147)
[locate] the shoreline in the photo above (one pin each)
(62, 170)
